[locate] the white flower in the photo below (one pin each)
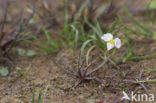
(111, 43)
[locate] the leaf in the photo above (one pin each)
(30, 53)
(146, 31)
(76, 34)
(93, 28)
(78, 14)
(21, 52)
(4, 71)
(153, 4)
(112, 28)
(88, 53)
(85, 44)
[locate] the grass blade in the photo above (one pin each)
(88, 53)
(85, 44)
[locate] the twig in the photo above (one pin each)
(80, 64)
(62, 68)
(31, 16)
(131, 81)
(69, 67)
(19, 28)
(90, 64)
(5, 16)
(96, 79)
(142, 85)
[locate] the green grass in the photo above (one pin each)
(41, 96)
(135, 58)
(150, 70)
(150, 80)
(70, 35)
(49, 45)
(73, 32)
(147, 81)
(140, 28)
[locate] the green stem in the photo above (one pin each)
(146, 81)
(136, 58)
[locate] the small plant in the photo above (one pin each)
(41, 96)
(83, 74)
(71, 35)
(8, 39)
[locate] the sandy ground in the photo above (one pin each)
(41, 72)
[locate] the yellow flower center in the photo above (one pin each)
(111, 41)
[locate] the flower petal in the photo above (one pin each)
(117, 42)
(107, 37)
(110, 46)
